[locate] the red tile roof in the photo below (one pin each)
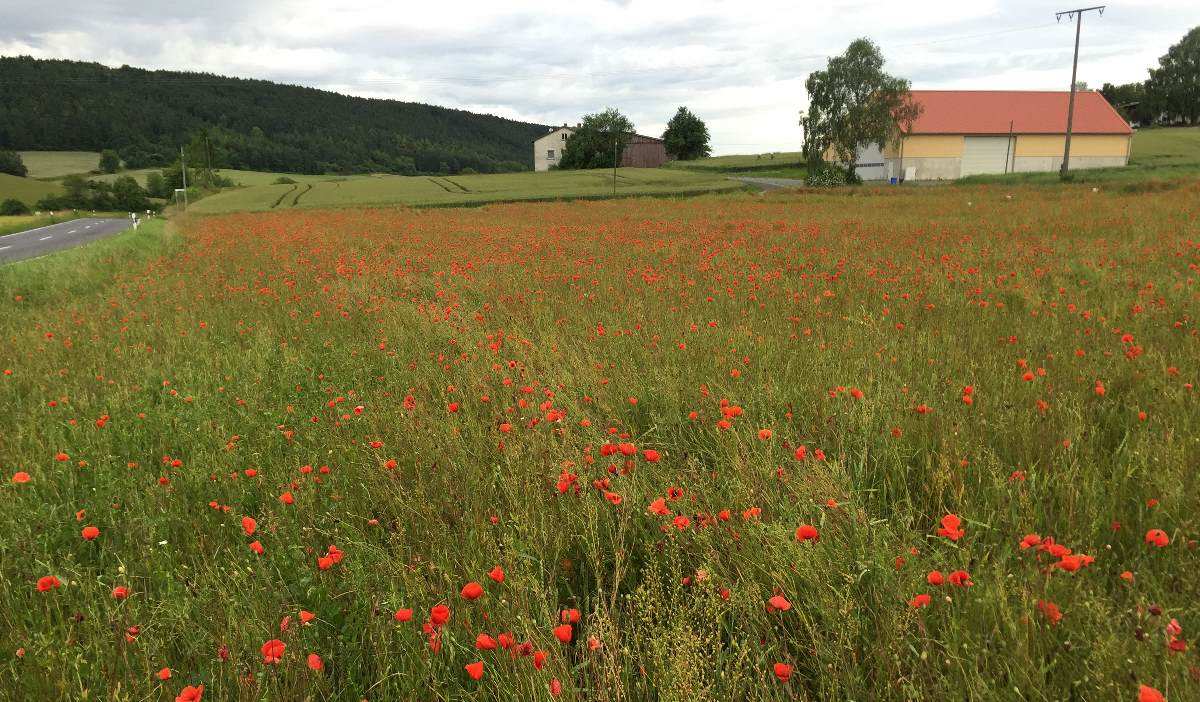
(1031, 112)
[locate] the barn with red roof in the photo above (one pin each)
(967, 132)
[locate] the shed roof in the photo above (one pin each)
(1030, 111)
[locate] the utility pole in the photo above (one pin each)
(1077, 14)
(183, 171)
(615, 140)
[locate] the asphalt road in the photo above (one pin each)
(55, 237)
(771, 183)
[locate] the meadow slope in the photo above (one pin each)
(904, 444)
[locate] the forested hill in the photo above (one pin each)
(249, 124)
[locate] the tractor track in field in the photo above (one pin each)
(281, 197)
(302, 193)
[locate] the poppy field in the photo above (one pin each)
(902, 444)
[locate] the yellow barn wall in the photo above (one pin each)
(1081, 145)
(933, 146)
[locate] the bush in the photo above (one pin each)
(11, 163)
(12, 206)
(109, 161)
(283, 180)
(826, 176)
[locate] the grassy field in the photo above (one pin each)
(56, 164)
(873, 444)
(27, 190)
(358, 191)
(741, 162)
(246, 178)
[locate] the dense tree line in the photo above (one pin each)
(124, 195)
(145, 116)
(1172, 92)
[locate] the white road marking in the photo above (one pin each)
(72, 231)
(4, 247)
(46, 237)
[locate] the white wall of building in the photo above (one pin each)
(547, 151)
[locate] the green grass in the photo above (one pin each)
(12, 225)
(438, 392)
(56, 164)
(27, 190)
(139, 175)
(742, 163)
(358, 191)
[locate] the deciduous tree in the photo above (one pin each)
(1174, 87)
(854, 102)
(686, 137)
(598, 141)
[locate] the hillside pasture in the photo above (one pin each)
(56, 164)
(27, 190)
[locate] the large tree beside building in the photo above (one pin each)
(1129, 99)
(598, 141)
(854, 102)
(1174, 87)
(686, 137)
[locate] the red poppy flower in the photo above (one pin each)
(483, 642)
(778, 602)
(89, 533)
(272, 651)
(249, 525)
(1149, 694)
(314, 662)
(950, 527)
(472, 591)
(403, 615)
(120, 592)
(496, 574)
(20, 477)
(808, 532)
(164, 674)
(475, 670)
(563, 633)
(1158, 537)
(919, 601)
(783, 671)
(190, 694)
(48, 582)
(439, 615)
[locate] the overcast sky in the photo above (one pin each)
(739, 65)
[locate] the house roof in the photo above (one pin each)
(1030, 112)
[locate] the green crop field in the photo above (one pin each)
(459, 190)
(27, 190)
(741, 162)
(56, 164)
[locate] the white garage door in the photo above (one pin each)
(984, 155)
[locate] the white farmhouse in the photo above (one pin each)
(547, 150)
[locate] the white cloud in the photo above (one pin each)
(740, 66)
